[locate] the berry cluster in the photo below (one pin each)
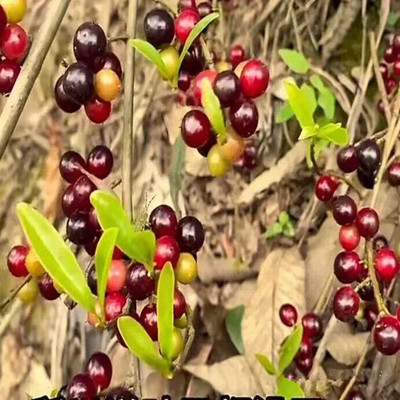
(94, 80)
(236, 84)
(83, 227)
(312, 331)
(14, 42)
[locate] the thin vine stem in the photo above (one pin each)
(207, 54)
(14, 294)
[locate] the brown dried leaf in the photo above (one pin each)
(281, 280)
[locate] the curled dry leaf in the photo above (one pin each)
(287, 165)
(281, 280)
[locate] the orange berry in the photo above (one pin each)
(107, 85)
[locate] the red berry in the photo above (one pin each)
(306, 348)
(14, 42)
(386, 335)
(368, 155)
(117, 254)
(194, 61)
(344, 210)
(64, 102)
(139, 284)
(325, 188)
(347, 266)
(148, 319)
(393, 173)
(390, 55)
(100, 162)
(345, 304)
(179, 304)
(390, 85)
(288, 314)
(98, 110)
(47, 289)
(16, 261)
(91, 279)
(3, 20)
(91, 246)
(9, 71)
(236, 55)
(347, 159)
(396, 68)
(116, 276)
(70, 166)
(83, 188)
(198, 82)
(349, 237)
(380, 242)
(167, 250)
(114, 305)
(68, 202)
(312, 325)
(396, 45)
(163, 221)
(94, 223)
(383, 69)
(184, 24)
(204, 9)
(254, 79)
(366, 178)
(79, 82)
(99, 369)
(81, 387)
(371, 315)
(190, 234)
(227, 88)
(367, 222)
(244, 117)
(184, 80)
(195, 129)
(183, 4)
(78, 228)
(355, 394)
(304, 365)
(109, 61)
(386, 264)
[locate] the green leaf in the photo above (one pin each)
(139, 246)
(326, 99)
(151, 53)
(176, 169)
(334, 133)
(102, 261)
(284, 113)
(274, 231)
(266, 363)
(288, 230)
(317, 82)
(284, 218)
(196, 31)
(309, 95)
(300, 103)
(319, 145)
(213, 110)
(165, 310)
(288, 389)
(56, 257)
(233, 323)
(309, 131)
(289, 348)
(140, 344)
(295, 60)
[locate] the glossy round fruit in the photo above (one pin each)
(99, 369)
(344, 210)
(9, 71)
(288, 314)
(368, 155)
(16, 261)
(184, 80)
(163, 221)
(184, 23)
(384, 70)
(371, 315)
(167, 250)
(198, 82)
(195, 129)
(325, 187)
(90, 43)
(367, 222)
(254, 79)
(159, 27)
(97, 110)
(177, 343)
(139, 284)
(78, 228)
(83, 188)
(396, 68)
(15, 10)
(366, 178)
(390, 85)
(29, 292)
(183, 4)
(100, 162)
(227, 88)
(107, 84)
(306, 348)
(179, 304)
(33, 265)
(393, 173)
(217, 164)
(91, 246)
(170, 58)
(108, 61)
(236, 55)
(70, 166)
(204, 150)
(396, 44)
(182, 322)
(386, 335)
(204, 9)
(386, 265)
(380, 242)
(47, 289)
(190, 234)
(312, 325)
(148, 319)
(91, 279)
(349, 237)
(345, 304)
(244, 117)
(234, 146)
(114, 305)
(355, 394)
(116, 276)
(390, 55)
(94, 223)
(194, 61)
(347, 266)
(81, 387)
(186, 269)
(14, 42)
(304, 365)
(347, 159)
(64, 102)
(78, 82)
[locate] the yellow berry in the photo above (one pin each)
(233, 148)
(15, 10)
(186, 269)
(239, 68)
(182, 322)
(222, 66)
(217, 164)
(170, 57)
(107, 84)
(29, 292)
(177, 343)
(33, 264)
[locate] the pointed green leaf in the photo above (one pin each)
(140, 344)
(295, 60)
(196, 31)
(283, 217)
(334, 133)
(176, 169)
(274, 230)
(326, 99)
(319, 146)
(288, 389)
(165, 310)
(233, 323)
(139, 246)
(266, 363)
(309, 95)
(289, 348)
(300, 103)
(102, 261)
(284, 113)
(288, 230)
(317, 82)
(308, 131)
(151, 53)
(213, 110)
(56, 257)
